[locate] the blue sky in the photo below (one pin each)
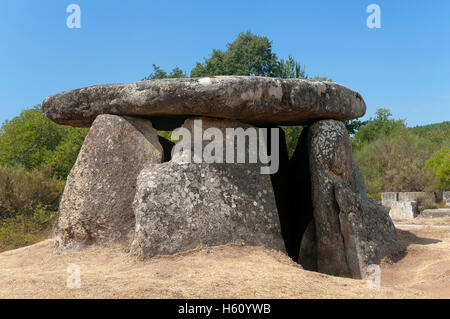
(404, 66)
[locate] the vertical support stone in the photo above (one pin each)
(330, 159)
(96, 207)
(352, 231)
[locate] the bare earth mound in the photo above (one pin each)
(231, 271)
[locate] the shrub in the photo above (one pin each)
(395, 163)
(23, 191)
(32, 141)
(26, 228)
(425, 203)
(439, 165)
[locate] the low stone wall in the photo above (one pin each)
(388, 198)
(404, 205)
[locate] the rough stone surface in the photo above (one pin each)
(96, 207)
(182, 206)
(367, 229)
(330, 162)
(308, 249)
(351, 230)
(198, 125)
(436, 213)
(254, 100)
(404, 210)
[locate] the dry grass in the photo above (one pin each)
(231, 271)
(425, 265)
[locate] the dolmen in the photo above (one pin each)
(227, 178)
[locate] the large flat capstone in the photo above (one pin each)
(253, 100)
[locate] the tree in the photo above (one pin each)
(27, 138)
(290, 68)
(353, 126)
(395, 163)
(439, 165)
(249, 54)
(159, 73)
(65, 154)
(32, 141)
(381, 125)
(177, 73)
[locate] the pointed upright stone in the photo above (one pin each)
(96, 207)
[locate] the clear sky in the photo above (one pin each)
(403, 66)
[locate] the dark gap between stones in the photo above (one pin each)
(292, 189)
(167, 146)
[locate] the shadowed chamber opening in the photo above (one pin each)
(291, 185)
(166, 144)
(292, 188)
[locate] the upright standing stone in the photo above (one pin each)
(331, 162)
(352, 231)
(96, 207)
(181, 205)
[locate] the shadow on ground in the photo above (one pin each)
(405, 239)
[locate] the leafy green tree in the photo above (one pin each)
(27, 139)
(291, 68)
(395, 162)
(353, 126)
(32, 141)
(62, 159)
(177, 73)
(292, 134)
(249, 54)
(159, 73)
(439, 165)
(382, 125)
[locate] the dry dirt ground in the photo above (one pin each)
(422, 270)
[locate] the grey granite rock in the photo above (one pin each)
(254, 100)
(352, 231)
(368, 231)
(96, 207)
(183, 206)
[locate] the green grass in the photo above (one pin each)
(25, 229)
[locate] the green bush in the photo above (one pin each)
(32, 141)
(395, 162)
(23, 191)
(439, 165)
(26, 228)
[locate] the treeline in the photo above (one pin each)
(36, 156)
(393, 157)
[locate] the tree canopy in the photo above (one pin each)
(31, 141)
